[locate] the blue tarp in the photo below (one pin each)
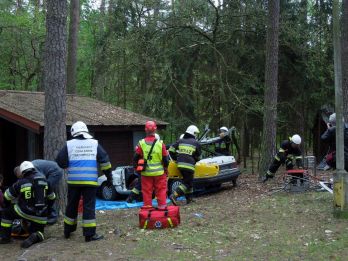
(109, 205)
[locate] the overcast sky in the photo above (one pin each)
(96, 3)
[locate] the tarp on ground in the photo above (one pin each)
(110, 205)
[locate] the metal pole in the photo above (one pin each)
(340, 177)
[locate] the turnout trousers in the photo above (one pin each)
(89, 223)
(8, 215)
(187, 179)
(279, 159)
(157, 184)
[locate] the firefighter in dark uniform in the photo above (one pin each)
(32, 197)
(329, 136)
(188, 151)
(289, 151)
(222, 146)
(80, 156)
(53, 174)
(135, 194)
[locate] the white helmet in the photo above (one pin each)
(296, 139)
(223, 129)
(157, 137)
(193, 130)
(26, 166)
(332, 119)
(181, 136)
(80, 128)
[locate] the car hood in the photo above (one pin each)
(218, 160)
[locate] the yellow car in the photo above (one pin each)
(209, 172)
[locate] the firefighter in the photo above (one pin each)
(222, 146)
(80, 156)
(151, 161)
(188, 152)
(32, 197)
(329, 136)
(135, 194)
(289, 150)
(53, 174)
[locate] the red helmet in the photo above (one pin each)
(150, 126)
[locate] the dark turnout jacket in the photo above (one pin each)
(329, 136)
(22, 193)
(187, 151)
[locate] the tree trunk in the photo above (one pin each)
(102, 7)
(271, 87)
(344, 57)
(72, 45)
(19, 5)
(54, 80)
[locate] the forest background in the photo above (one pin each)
(186, 62)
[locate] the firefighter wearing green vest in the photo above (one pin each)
(151, 161)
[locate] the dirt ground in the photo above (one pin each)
(243, 223)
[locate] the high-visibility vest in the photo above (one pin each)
(188, 150)
(154, 165)
(83, 166)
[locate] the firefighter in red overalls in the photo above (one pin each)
(151, 160)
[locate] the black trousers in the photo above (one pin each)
(279, 159)
(137, 188)
(8, 215)
(187, 180)
(88, 218)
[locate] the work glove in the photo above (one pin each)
(108, 175)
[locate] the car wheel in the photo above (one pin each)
(108, 192)
(173, 184)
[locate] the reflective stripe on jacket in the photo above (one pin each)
(188, 152)
(154, 165)
(83, 166)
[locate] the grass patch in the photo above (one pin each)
(237, 224)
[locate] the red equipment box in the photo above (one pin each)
(297, 172)
(153, 218)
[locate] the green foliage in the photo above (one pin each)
(186, 62)
(21, 43)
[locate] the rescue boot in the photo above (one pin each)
(132, 196)
(95, 237)
(268, 176)
(66, 234)
(173, 198)
(32, 239)
(189, 199)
